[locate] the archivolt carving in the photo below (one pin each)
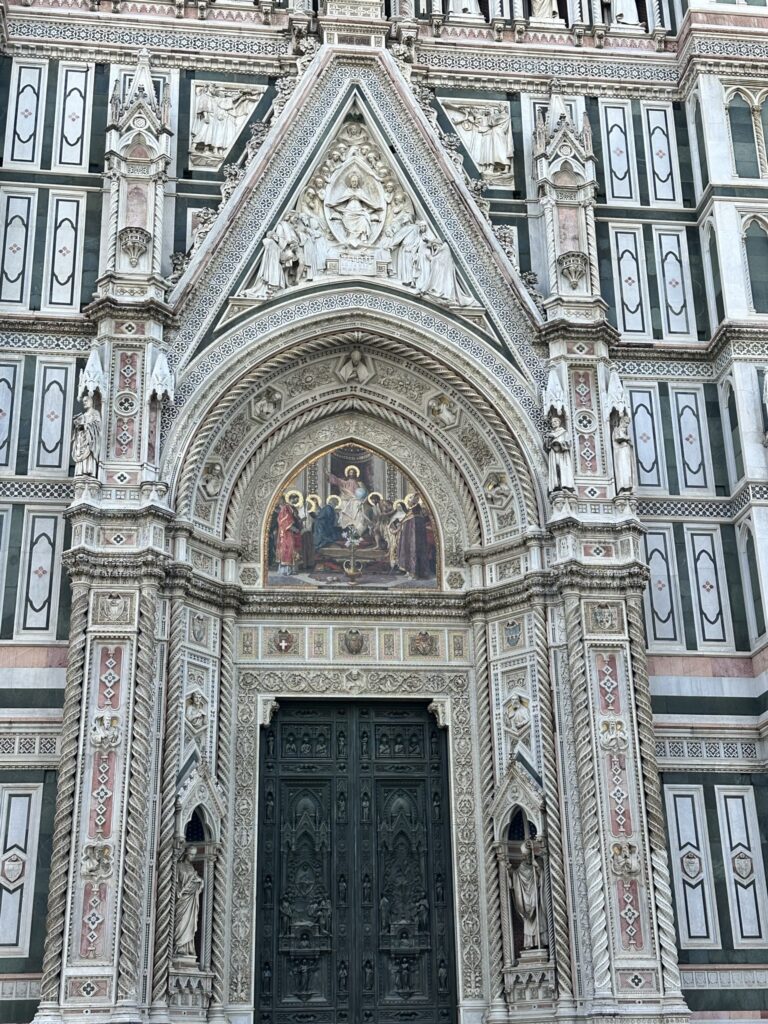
(272, 464)
(219, 386)
(347, 683)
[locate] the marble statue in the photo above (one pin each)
(527, 897)
(486, 131)
(624, 12)
(544, 10)
(558, 445)
(86, 439)
(189, 885)
(623, 456)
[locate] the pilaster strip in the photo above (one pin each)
(585, 768)
(653, 808)
(223, 775)
(170, 767)
(65, 795)
(137, 830)
(554, 834)
(485, 735)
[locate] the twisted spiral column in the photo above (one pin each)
(138, 825)
(653, 807)
(65, 796)
(487, 787)
(585, 769)
(223, 774)
(165, 892)
(551, 794)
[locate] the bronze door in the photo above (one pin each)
(354, 921)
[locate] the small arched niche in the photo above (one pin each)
(351, 517)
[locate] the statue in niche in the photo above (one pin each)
(544, 10)
(486, 131)
(189, 885)
(464, 8)
(624, 12)
(558, 445)
(86, 438)
(617, 412)
(526, 881)
(623, 457)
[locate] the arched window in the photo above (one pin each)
(756, 243)
(743, 138)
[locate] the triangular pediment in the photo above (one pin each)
(353, 175)
(353, 216)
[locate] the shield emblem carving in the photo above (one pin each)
(353, 641)
(198, 628)
(13, 868)
(692, 864)
(742, 864)
(512, 633)
(284, 641)
(424, 644)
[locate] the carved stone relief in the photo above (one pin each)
(218, 113)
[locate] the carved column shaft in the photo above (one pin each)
(134, 894)
(560, 922)
(219, 963)
(165, 891)
(65, 796)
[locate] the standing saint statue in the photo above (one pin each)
(558, 445)
(526, 895)
(86, 439)
(623, 460)
(188, 888)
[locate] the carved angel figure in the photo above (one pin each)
(86, 439)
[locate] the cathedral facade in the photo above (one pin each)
(383, 511)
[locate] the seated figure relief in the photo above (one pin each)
(354, 219)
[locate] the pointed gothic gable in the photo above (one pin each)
(275, 182)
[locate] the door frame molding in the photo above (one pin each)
(452, 700)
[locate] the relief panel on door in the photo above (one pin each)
(354, 867)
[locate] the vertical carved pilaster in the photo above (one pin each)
(598, 925)
(482, 677)
(653, 807)
(170, 767)
(138, 825)
(223, 775)
(551, 796)
(65, 797)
